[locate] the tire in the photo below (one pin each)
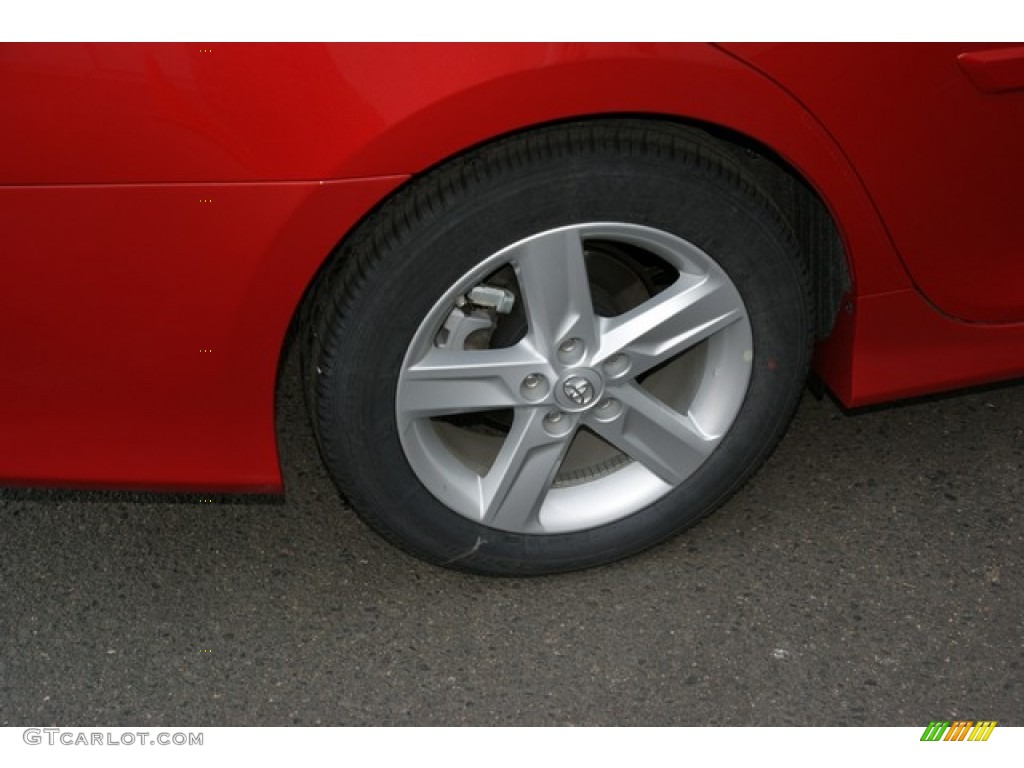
(559, 349)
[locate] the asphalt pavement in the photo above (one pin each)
(870, 574)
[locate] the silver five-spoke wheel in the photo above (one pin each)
(592, 409)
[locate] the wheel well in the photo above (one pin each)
(810, 219)
(811, 222)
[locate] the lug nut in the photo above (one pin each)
(534, 387)
(571, 351)
(607, 410)
(616, 365)
(557, 425)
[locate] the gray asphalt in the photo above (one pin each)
(870, 574)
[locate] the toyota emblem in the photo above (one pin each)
(579, 390)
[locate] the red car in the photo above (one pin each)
(555, 302)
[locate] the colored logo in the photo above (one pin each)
(960, 730)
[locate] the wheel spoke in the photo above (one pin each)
(552, 275)
(447, 381)
(512, 492)
(678, 318)
(667, 442)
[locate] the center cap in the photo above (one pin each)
(578, 390)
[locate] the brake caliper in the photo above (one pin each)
(472, 320)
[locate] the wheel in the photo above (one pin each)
(559, 349)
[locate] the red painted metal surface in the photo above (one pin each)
(941, 159)
(163, 208)
(892, 345)
(142, 327)
(995, 71)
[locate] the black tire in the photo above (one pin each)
(648, 180)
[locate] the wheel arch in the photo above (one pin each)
(697, 85)
(813, 223)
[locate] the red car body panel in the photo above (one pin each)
(164, 207)
(940, 156)
(146, 324)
